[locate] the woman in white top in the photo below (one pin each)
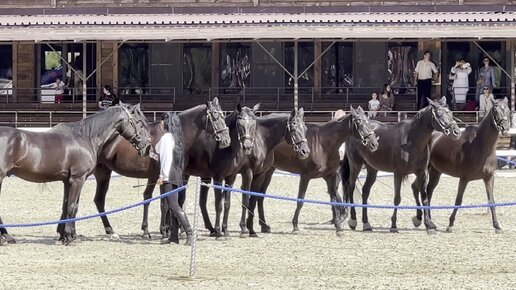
(171, 158)
(485, 102)
(460, 71)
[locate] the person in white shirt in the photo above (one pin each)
(171, 158)
(374, 106)
(486, 100)
(459, 73)
(424, 71)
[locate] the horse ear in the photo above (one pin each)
(301, 112)
(239, 108)
(443, 101)
(431, 102)
(360, 110)
(135, 108)
(493, 101)
(215, 101)
(506, 101)
(256, 108)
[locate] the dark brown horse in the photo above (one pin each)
(404, 149)
(271, 130)
(324, 141)
(207, 160)
(69, 152)
(203, 120)
(471, 157)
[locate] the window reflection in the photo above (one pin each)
(196, 68)
(235, 65)
(401, 62)
(337, 67)
(133, 67)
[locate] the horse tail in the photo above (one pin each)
(344, 176)
(174, 127)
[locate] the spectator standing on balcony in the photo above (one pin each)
(424, 71)
(486, 78)
(59, 86)
(486, 100)
(373, 105)
(107, 99)
(460, 73)
(387, 98)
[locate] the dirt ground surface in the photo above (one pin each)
(472, 257)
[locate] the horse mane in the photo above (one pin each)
(193, 109)
(93, 125)
(174, 127)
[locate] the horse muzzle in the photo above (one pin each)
(303, 151)
(224, 141)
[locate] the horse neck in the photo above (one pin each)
(334, 133)
(192, 124)
(421, 129)
(272, 130)
(488, 132)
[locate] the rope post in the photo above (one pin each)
(193, 253)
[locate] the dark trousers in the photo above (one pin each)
(170, 210)
(424, 90)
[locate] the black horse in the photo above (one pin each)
(203, 120)
(69, 152)
(404, 149)
(271, 130)
(324, 141)
(471, 157)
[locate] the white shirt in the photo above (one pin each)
(374, 105)
(165, 149)
(424, 69)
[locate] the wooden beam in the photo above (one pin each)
(317, 67)
(215, 67)
(15, 71)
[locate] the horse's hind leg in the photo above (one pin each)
(416, 220)
(5, 237)
(64, 208)
(349, 191)
(147, 194)
(366, 190)
(489, 183)
(397, 200)
(265, 228)
(72, 207)
(204, 210)
(458, 201)
(332, 187)
(425, 199)
(303, 185)
(103, 177)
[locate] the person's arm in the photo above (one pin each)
(166, 151)
(491, 73)
(392, 99)
(468, 70)
(416, 72)
(369, 106)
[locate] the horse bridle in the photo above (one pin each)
(496, 124)
(135, 139)
(246, 136)
(364, 138)
(295, 144)
(446, 130)
(216, 131)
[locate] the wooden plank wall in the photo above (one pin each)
(107, 74)
(232, 3)
(25, 64)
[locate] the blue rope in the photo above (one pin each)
(93, 215)
(506, 160)
(344, 204)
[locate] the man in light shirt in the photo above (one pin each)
(424, 71)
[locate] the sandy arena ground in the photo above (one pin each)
(473, 257)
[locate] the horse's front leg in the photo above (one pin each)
(489, 183)
(397, 200)
(4, 235)
(64, 210)
(227, 204)
(103, 177)
(265, 228)
(339, 214)
(204, 210)
(422, 178)
(218, 206)
(247, 178)
(147, 194)
(76, 185)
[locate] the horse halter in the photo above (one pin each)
(497, 124)
(365, 139)
(216, 131)
(135, 139)
(246, 136)
(295, 144)
(445, 129)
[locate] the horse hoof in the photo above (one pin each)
(182, 235)
(431, 232)
(416, 221)
(340, 220)
(2, 241)
(296, 232)
(244, 235)
(449, 229)
(253, 235)
(9, 239)
(352, 224)
(340, 233)
(367, 228)
(498, 231)
(394, 230)
(213, 234)
(146, 236)
(266, 229)
(113, 237)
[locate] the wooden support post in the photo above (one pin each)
(215, 68)
(317, 68)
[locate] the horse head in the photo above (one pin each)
(442, 118)
(246, 127)
(501, 114)
(135, 128)
(362, 127)
(219, 129)
(296, 131)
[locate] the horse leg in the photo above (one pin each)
(147, 194)
(416, 220)
(218, 207)
(103, 177)
(4, 235)
(458, 201)
(72, 207)
(265, 228)
(489, 183)
(303, 185)
(227, 204)
(256, 187)
(247, 178)
(397, 200)
(332, 187)
(204, 210)
(366, 190)
(423, 186)
(349, 192)
(64, 209)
